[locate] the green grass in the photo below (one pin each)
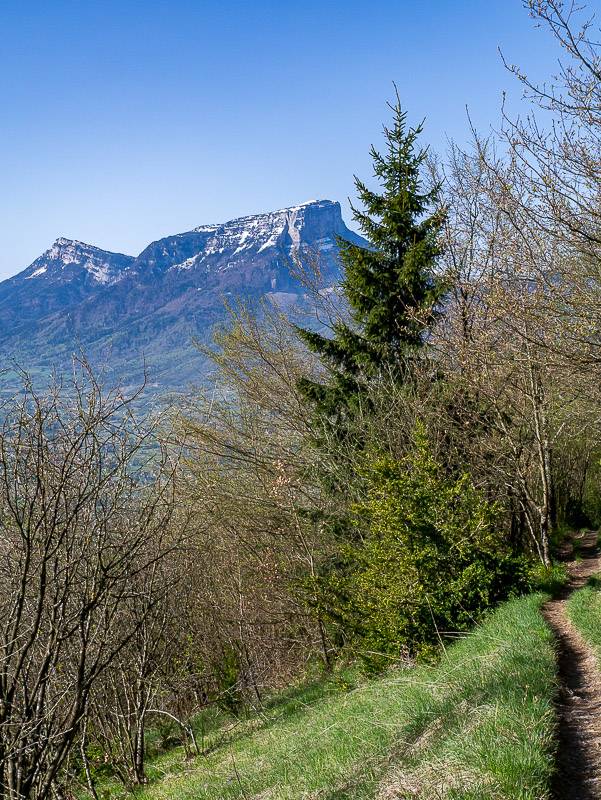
(213, 727)
(478, 725)
(584, 610)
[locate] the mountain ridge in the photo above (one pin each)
(123, 310)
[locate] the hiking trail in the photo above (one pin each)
(578, 704)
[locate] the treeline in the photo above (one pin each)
(356, 488)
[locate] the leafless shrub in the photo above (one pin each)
(86, 505)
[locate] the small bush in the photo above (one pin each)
(550, 580)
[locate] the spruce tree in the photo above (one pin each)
(391, 287)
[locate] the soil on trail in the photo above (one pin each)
(578, 774)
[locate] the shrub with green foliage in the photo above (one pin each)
(551, 580)
(431, 560)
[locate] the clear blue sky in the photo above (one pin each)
(126, 120)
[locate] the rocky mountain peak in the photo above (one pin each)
(68, 259)
(312, 225)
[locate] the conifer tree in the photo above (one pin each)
(391, 288)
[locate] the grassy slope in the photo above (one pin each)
(584, 610)
(478, 725)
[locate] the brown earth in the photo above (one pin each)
(578, 705)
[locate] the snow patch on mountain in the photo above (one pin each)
(293, 228)
(37, 272)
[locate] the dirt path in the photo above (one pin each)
(578, 706)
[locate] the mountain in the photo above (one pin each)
(65, 274)
(124, 311)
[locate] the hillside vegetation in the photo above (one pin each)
(480, 724)
(355, 492)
